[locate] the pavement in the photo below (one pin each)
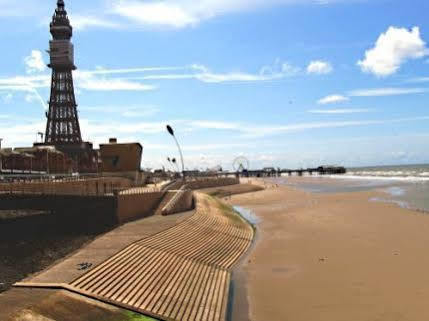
(171, 268)
(27, 304)
(17, 303)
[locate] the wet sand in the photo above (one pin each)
(333, 257)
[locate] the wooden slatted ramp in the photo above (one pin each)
(179, 274)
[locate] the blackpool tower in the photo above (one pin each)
(62, 127)
(63, 122)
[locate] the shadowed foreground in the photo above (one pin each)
(181, 273)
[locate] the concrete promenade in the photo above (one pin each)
(171, 268)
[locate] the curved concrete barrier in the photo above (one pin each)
(182, 201)
(182, 273)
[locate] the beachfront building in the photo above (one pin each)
(122, 159)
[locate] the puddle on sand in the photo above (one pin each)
(396, 191)
(249, 215)
(402, 204)
(238, 309)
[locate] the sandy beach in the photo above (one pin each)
(333, 257)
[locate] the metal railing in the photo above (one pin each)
(139, 190)
(67, 186)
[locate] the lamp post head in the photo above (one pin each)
(170, 130)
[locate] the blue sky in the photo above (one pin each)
(288, 83)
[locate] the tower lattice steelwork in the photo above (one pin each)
(62, 126)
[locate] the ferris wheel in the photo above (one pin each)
(241, 164)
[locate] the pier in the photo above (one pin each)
(272, 172)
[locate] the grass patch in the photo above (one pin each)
(228, 211)
(218, 193)
(132, 316)
(228, 191)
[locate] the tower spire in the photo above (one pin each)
(60, 4)
(60, 25)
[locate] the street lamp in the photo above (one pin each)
(169, 163)
(1, 157)
(171, 132)
(47, 160)
(41, 136)
(175, 164)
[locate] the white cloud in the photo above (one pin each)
(418, 80)
(102, 130)
(208, 124)
(7, 98)
(279, 70)
(27, 84)
(34, 62)
(96, 84)
(261, 131)
(106, 71)
(155, 13)
(332, 99)
(392, 49)
(374, 92)
(12, 8)
(378, 92)
(184, 13)
(102, 79)
(23, 83)
(20, 135)
(31, 97)
(338, 111)
(319, 67)
(88, 80)
(81, 22)
(124, 111)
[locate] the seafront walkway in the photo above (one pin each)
(177, 271)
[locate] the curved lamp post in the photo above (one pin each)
(169, 163)
(1, 158)
(175, 164)
(171, 132)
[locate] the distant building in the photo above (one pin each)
(121, 159)
(41, 159)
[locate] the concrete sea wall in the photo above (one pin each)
(134, 206)
(212, 182)
(73, 186)
(84, 201)
(181, 202)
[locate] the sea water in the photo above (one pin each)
(404, 185)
